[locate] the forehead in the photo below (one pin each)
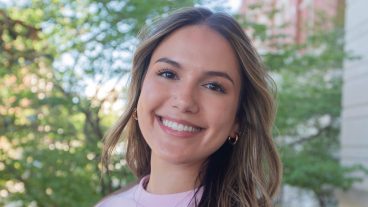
(200, 47)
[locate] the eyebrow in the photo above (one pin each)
(168, 61)
(207, 73)
(219, 74)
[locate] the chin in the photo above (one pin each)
(181, 158)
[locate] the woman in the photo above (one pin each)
(199, 118)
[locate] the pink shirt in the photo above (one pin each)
(137, 196)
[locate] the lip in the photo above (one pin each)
(182, 134)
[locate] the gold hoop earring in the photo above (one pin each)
(233, 140)
(135, 114)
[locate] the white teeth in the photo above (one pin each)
(179, 127)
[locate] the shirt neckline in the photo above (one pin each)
(145, 198)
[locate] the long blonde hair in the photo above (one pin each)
(245, 174)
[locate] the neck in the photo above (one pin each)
(168, 178)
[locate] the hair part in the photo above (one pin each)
(252, 168)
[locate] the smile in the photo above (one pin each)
(178, 127)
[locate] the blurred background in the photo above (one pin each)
(64, 70)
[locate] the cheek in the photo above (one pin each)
(220, 111)
(149, 91)
(221, 120)
(148, 102)
(153, 96)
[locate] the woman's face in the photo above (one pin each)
(189, 96)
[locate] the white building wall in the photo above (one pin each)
(354, 132)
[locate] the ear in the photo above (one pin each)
(234, 129)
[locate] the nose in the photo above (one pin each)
(184, 99)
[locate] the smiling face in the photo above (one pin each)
(188, 103)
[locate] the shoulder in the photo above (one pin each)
(125, 198)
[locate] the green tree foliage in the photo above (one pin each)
(44, 154)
